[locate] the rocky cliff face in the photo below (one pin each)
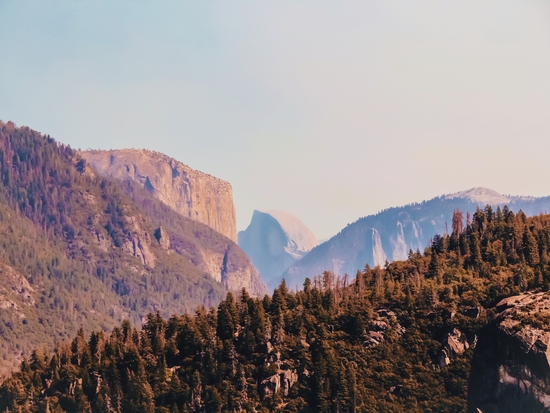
(274, 240)
(191, 193)
(79, 250)
(207, 249)
(194, 195)
(511, 366)
(390, 234)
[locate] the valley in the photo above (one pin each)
(121, 293)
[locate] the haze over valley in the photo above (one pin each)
(288, 207)
(98, 238)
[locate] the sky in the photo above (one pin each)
(329, 110)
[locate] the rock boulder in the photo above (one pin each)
(511, 366)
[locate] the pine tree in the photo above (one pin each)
(434, 268)
(530, 248)
(228, 317)
(457, 226)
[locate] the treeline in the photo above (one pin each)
(64, 229)
(368, 344)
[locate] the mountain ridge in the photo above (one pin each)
(95, 251)
(192, 193)
(393, 232)
(482, 195)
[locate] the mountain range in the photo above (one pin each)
(392, 233)
(463, 326)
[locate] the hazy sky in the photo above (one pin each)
(330, 110)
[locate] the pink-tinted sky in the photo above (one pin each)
(330, 110)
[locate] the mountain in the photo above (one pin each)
(392, 233)
(81, 250)
(193, 194)
(428, 334)
(274, 240)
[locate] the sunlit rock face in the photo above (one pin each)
(392, 233)
(484, 196)
(191, 193)
(511, 365)
(274, 240)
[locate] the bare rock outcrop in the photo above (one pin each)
(511, 366)
(376, 334)
(15, 290)
(163, 238)
(280, 382)
(137, 242)
(218, 257)
(138, 246)
(453, 346)
(191, 193)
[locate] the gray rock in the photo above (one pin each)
(373, 338)
(453, 346)
(274, 240)
(280, 382)
(191, 193)
(163, 238)
(511, 365)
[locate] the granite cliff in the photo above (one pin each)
(511, 366)
(274, 240)
(82, 250)
(195, 196)
(191, 193)
(392, 233)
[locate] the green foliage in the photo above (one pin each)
(223, 360)
(69, 234)
(56, 219)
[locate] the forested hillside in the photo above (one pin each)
(394, 339)
(78, 250)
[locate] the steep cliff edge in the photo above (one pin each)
(274, 240)
(82, 250)
(191, 193)
(168, 190)
(511, 366)
(213, 253)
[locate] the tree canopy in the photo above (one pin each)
(368, 344)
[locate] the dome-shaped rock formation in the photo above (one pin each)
(274, 240)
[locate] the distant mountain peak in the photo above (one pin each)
(274, 240)
(481, 195)
(392, 233)
(295, 229)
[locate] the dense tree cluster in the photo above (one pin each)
(308, 350)
(62, 228)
